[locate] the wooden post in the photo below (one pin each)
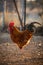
(23, 11)
(4, 9)
(4, 13)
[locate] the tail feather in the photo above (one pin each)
(31, 26)
(35, 23)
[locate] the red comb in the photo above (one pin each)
(11, 24)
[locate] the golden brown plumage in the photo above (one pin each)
(19, 37)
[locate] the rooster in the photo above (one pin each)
(21, 38)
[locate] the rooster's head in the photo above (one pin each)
(11, 24)
(10, 28)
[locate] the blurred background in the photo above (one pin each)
(31, 54)
(34, 12)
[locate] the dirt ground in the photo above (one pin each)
(31, 54)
